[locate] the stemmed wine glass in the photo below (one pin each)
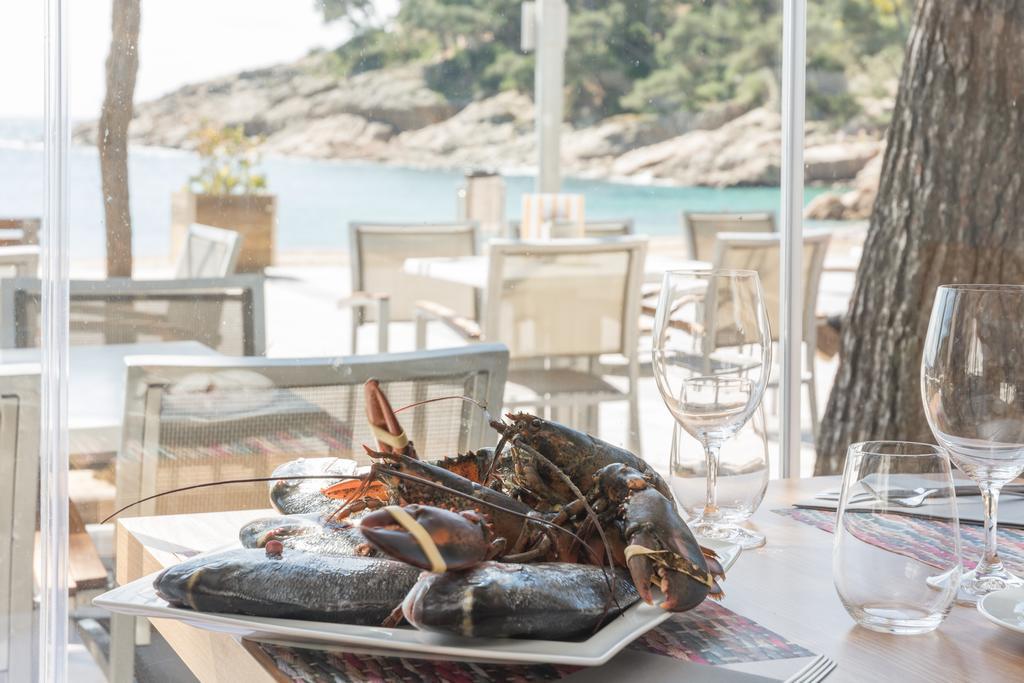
(972, 384)
(712, 358)
(742, 472)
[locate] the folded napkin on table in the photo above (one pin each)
(969, 507)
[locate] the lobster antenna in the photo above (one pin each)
(247, 480)
(339, 477)
(468, 399)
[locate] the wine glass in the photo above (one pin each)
(972, 384)
(712, 358)
(742, 473)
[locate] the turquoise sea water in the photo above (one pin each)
(317, 199)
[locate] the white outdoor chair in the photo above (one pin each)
(195, 419)
(19, 489)
(762, 253)
(701, 229)
(208, 252)
(19, 261)
(620, 227)
(192, 420)
(554, 302)
(383, 292)
(226, 313)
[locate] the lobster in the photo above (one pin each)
(588, 493)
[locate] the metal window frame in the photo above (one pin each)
(794, 41)
(53, 434)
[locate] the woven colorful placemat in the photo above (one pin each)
(710, 634)
(922, 536)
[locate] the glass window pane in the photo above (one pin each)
(21, 213)
(855, 95)
(260, 208)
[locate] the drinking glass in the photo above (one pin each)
(742, 475)
(894, 572)
(712, 357)
(972, 384)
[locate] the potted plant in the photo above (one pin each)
(228, 193)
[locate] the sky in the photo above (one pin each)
(180, 41)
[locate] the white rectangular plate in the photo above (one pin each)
(139, 599)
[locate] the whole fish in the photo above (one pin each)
(292, 584)
(311, 533)
(548, 600)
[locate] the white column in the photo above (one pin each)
(549, 78)
(794, 38)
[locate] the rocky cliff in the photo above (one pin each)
(392, 116)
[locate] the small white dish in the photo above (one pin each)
(1005, 608)
(139, 599)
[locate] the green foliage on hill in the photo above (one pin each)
(651, 56)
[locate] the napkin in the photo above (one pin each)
(969, 508)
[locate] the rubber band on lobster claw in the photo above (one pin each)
(430, 538)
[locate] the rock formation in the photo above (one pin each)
(392, 116)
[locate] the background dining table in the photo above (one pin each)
(96, 385)
(786, 587)
(472, 271)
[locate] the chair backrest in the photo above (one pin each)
(19, 261)
(208, 252)
(619, 227)
(226, 314)
(564, 297)
(19, 489)
(700, 229)
(190, 420)
(608, 228)
(761, 253)
(544, 212)
(19, 231)
(379, 250)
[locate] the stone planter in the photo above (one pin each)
(254, 216)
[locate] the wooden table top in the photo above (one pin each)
(785, 586)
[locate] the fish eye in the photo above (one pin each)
(535, 424)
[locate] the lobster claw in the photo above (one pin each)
(661, 550)
(428, 537)
(384, 423)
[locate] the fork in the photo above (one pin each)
(900, 495)
(918, 497)
(814, 672)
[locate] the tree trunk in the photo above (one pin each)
(122, 67)
(950, 208)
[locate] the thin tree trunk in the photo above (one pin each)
(950, 208)
(122, 68)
